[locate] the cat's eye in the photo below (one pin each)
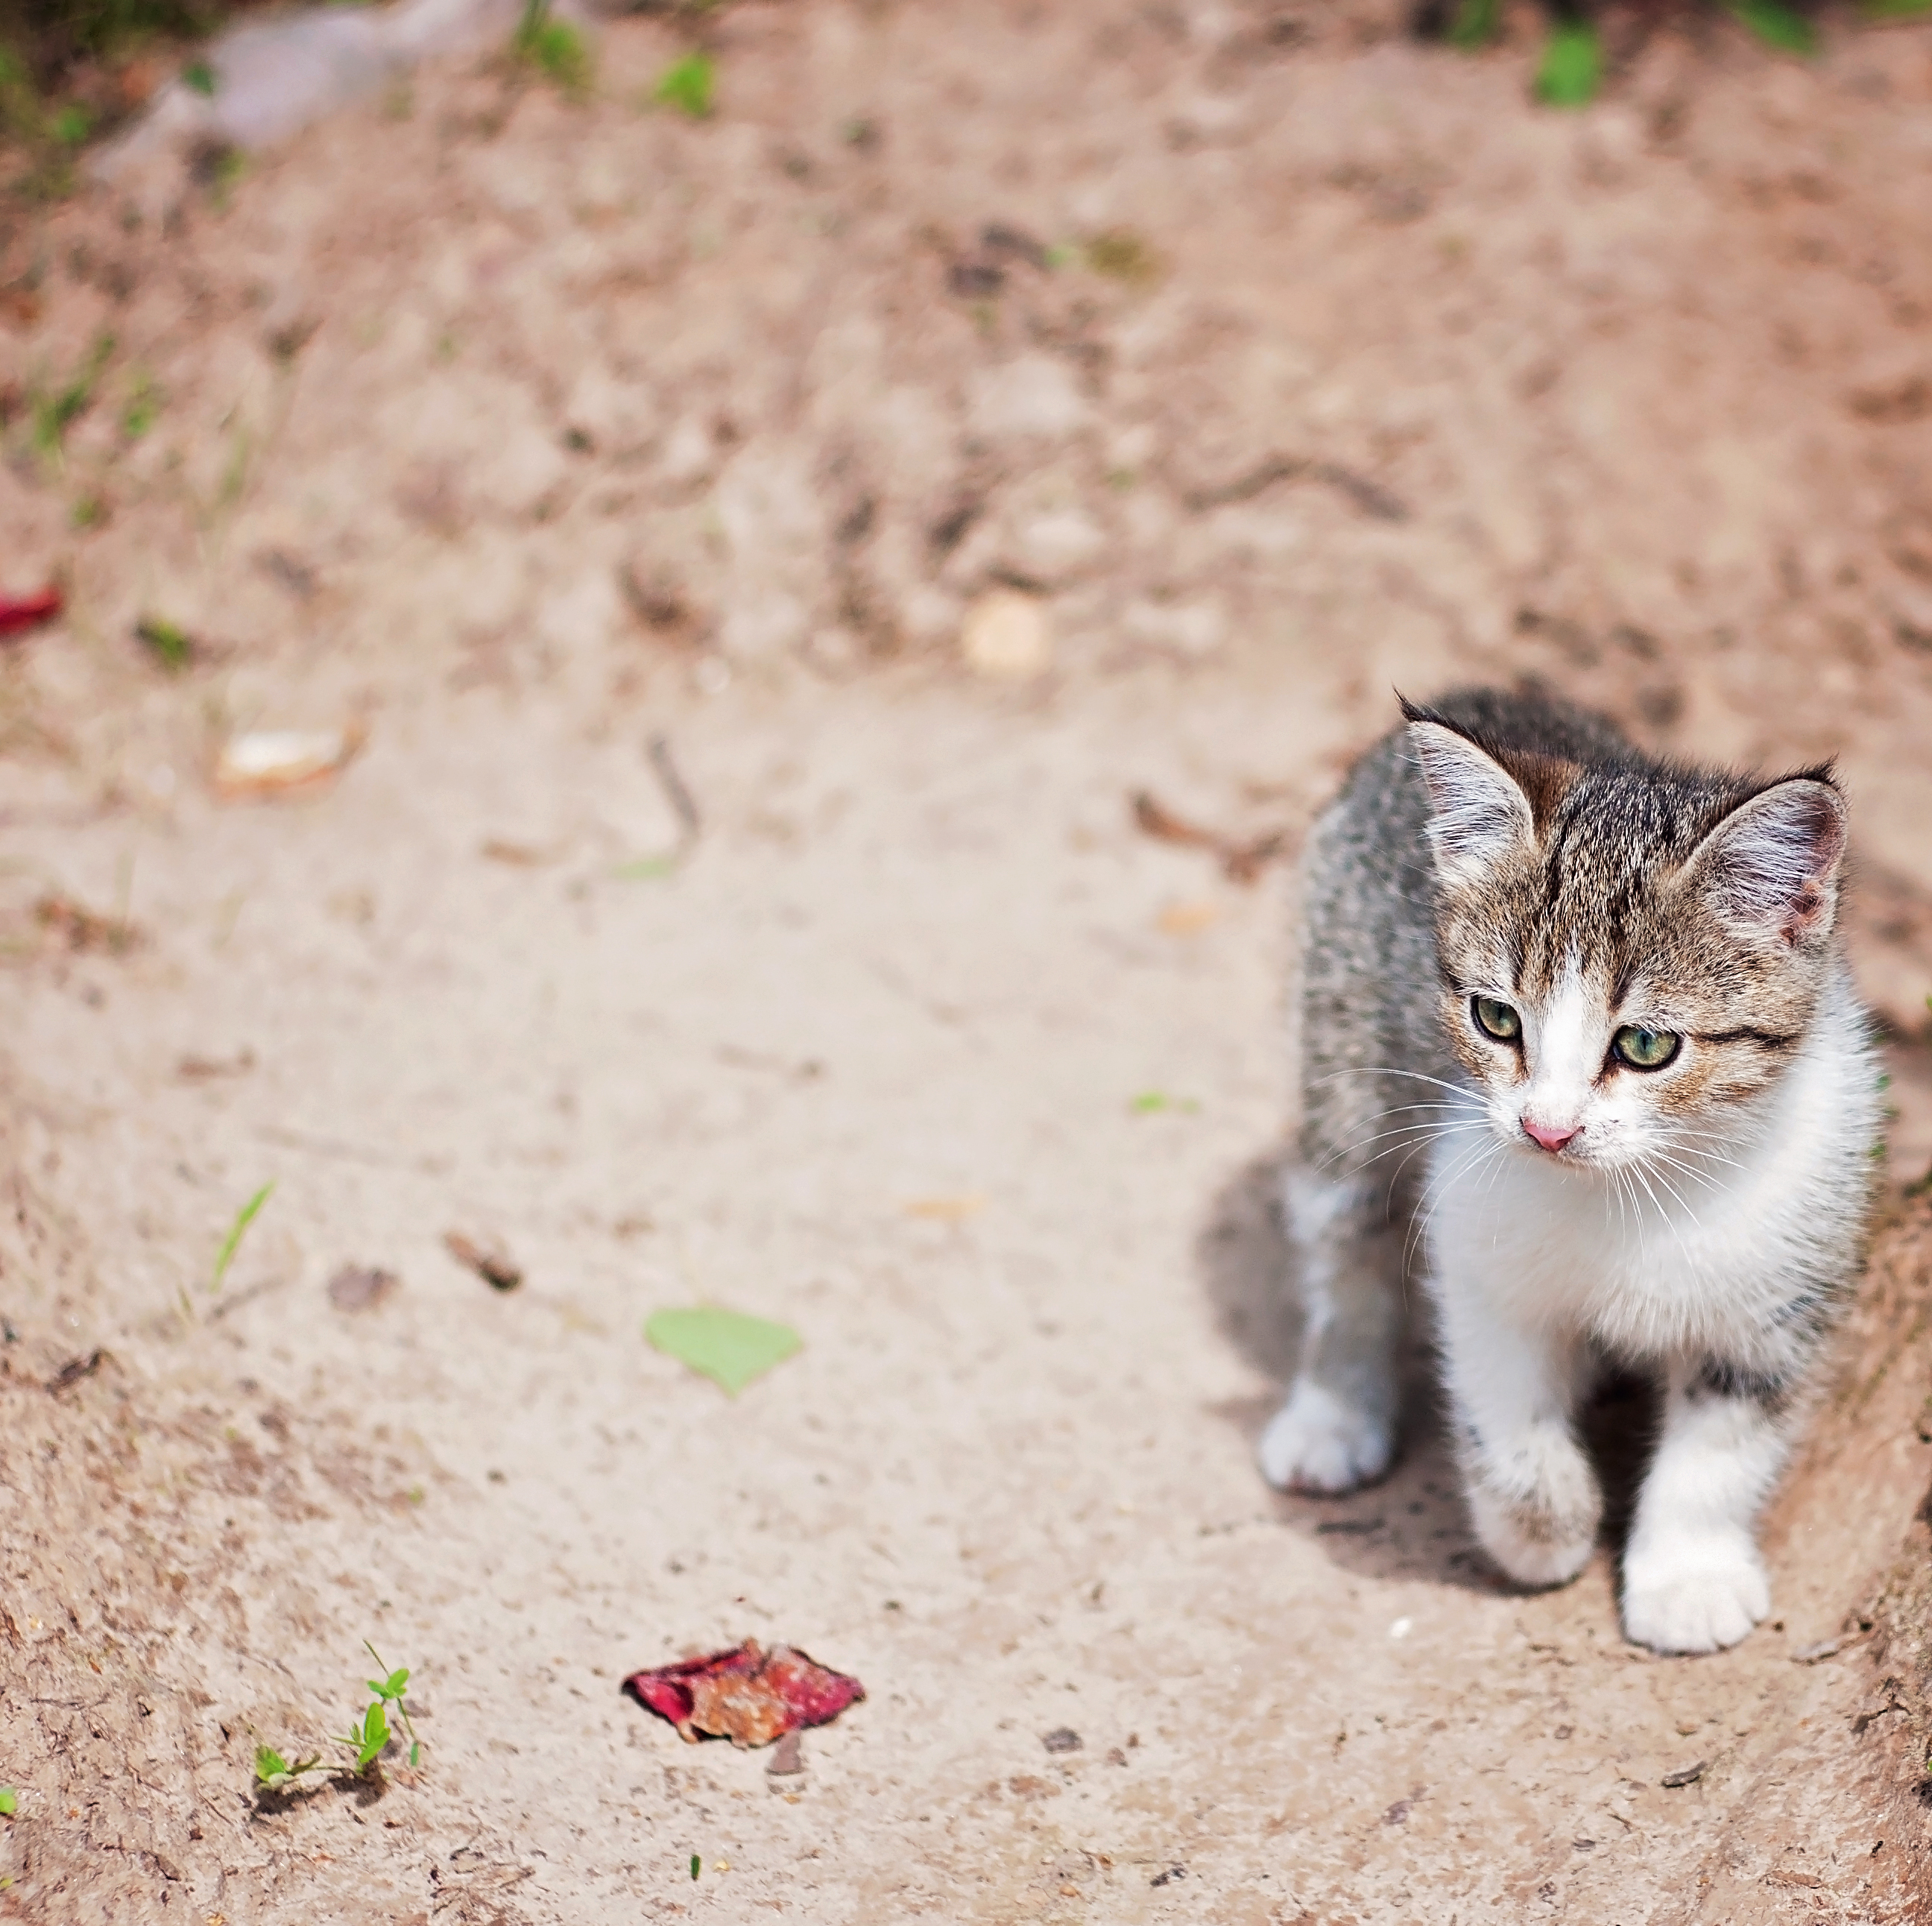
(1645, 1049)
(1497, 1019)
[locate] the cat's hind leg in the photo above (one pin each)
(1337, 1430)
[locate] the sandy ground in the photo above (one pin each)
(517, 433)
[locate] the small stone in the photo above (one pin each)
(1062, 1738)
(1055, 546)
(1005, 637)
(787, 1758)
(1033, 398)
(360, 1287)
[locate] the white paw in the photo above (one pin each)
(1701, 1598)
(1317, 1442)
(1544, 1538)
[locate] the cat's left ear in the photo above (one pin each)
(1771, 867)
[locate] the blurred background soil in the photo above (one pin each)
(1272, 360)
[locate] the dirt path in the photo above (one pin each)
(521, 433)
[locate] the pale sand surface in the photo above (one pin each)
(874, 1058)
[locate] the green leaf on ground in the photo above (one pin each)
(237, 1230)
(1572, 65)
(1895, 9)
(689, 85)
(1151, 1103)
(10, 1802)
(198, 75)
(727, 1347)
(169, 645)
(645, 869)
(1776, 25)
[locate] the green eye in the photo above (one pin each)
(1646, 1049)
(1495, 1019)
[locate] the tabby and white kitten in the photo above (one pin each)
(1581, 1017)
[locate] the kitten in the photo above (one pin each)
(1583, 1016)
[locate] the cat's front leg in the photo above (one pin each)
(1533, 1497)
(1693, 1580)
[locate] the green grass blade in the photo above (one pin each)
(1572, 65)
(237, 1230)
(1776, 24)
(10, 1801)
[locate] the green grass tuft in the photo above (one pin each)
(1776, 25)
(689, 85)
(1572, 65)
(555, 48)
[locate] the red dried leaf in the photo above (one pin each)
(19, 613)
(747, 1695)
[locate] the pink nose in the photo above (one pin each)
(1548, 1135)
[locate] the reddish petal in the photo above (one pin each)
(669, 1698)
(19, 613)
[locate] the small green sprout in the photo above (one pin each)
(696, 1865)
(366, 1738)
(689, 85)
(237, 1230)
(72, 124)
(554, 48)
(10, 1802)
(1572, 65)
(1475, 24)
(199, 77)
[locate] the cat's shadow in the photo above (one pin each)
(1412, 1524)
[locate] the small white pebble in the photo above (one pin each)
(1005, 637)
(1402, 1628)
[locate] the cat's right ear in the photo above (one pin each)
(1478, 812)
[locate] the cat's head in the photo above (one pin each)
(1630, 952)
